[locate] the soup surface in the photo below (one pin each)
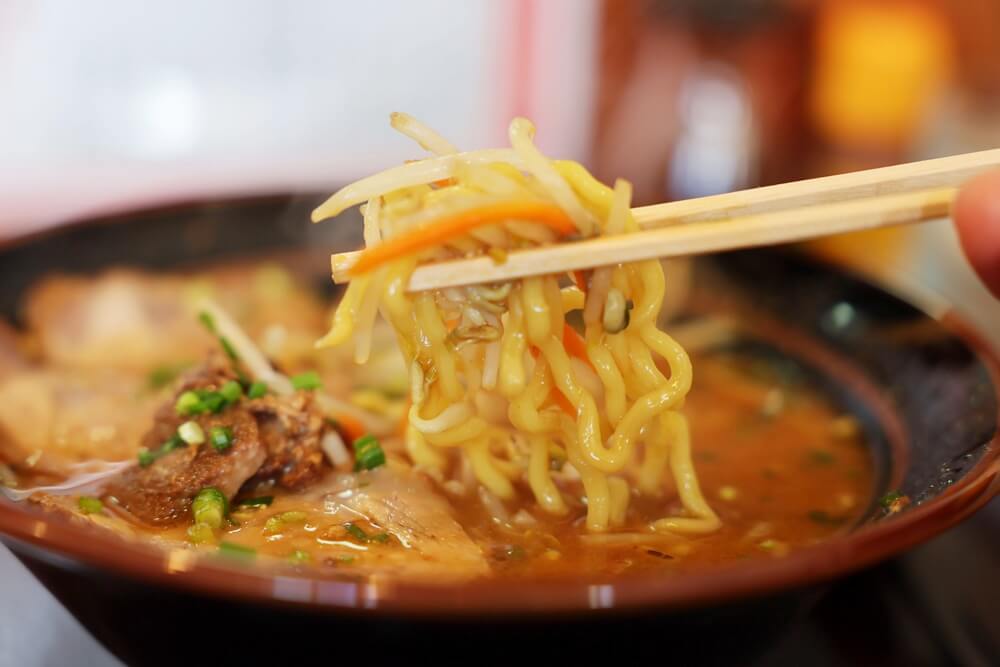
(779, 462)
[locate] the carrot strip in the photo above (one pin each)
(573, 343)
(404, 421)
(560, 399)
(580, 278)
(350, 427)
(450, 226)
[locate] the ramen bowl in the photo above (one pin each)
(924, 389)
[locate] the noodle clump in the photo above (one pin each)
(496, 371)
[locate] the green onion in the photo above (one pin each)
(889, 499)
(221, 437)
(90, 505)
(345, 559)
(368, 453)
(146, 457)
(207, 320)
(278, 521)
(188, 403)
(259, 501)
(228, 348)
(200, 533)
(191, 433)
(213, 401)
(164, 375)
(307, 381)
(356, 532)
(231, 391)
(257, 389)
(299, 556)
(230, 351)
(210, 506)
(236, 550)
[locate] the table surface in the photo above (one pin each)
(937, 605)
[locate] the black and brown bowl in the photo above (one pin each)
(925, 388)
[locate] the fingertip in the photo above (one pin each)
(977, 220)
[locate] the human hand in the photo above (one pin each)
(977, 220)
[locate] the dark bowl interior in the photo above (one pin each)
(923, 389)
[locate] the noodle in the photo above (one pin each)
(497, 375)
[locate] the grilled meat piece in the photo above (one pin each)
(291, 428)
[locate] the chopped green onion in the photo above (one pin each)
(164, 375)
(200, 533)
(368, 453)
(299, 556)
(210, 506)
(191, 433)
(90, 505)
(276, 522)
(221, 437)
(188, 403)
(228, 348)
(230, 351)
(236, 550)
(345, 559)
(356, 532)
(307, 381)
(894, 501)
(146, 457)
(231, 391)
(259, 501)
(257, 389)
(213, 401)
(888, 499)
(207, 320)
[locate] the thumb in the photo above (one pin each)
(977, 220)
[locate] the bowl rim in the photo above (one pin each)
(52, 538)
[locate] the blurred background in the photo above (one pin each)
(111, 104)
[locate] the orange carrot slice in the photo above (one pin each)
(574, 344)
(350, 427)
(448, 227)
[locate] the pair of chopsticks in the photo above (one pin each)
(797, 211)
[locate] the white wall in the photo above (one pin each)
(110, 102)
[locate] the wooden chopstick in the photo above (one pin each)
(783, 213)
(923, 175)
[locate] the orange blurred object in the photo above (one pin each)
(880, 66)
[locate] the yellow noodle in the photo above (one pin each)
(617, 425)
(547, 494)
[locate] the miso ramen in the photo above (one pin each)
(541, 426)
